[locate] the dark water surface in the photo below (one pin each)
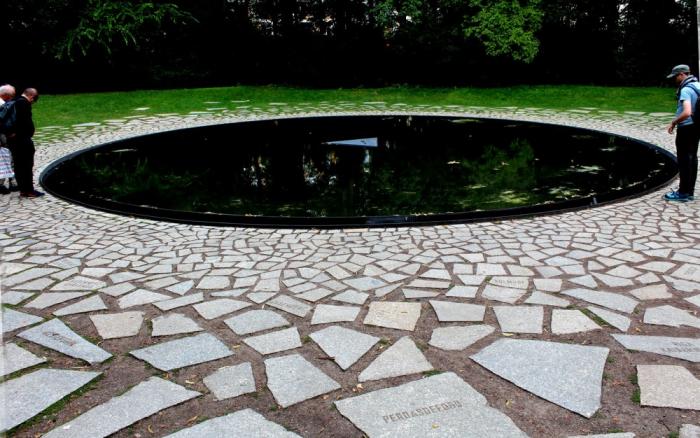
(359, 166)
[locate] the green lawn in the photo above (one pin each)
(69, 109)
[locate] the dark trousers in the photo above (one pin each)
(23, 157)
(687, 139)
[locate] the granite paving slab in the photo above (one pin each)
(343, 345)
(681, 348)
(173, 324)
(118, 289)
(140, 297)
(351, 297)
(243, 423)
(548, 284)
(14, 358)
(653, 292)
(292, 379)
(438, 406)
(462, 292)
(448, 311)
(689, 431)
(26, 275)
(565, 374)
(392, 314)
(327, 313)
(260, 297)
(90, 304)
(520, 319)
(28, 395)
(459, 337)
(401, 359)
(668, 386)
(315, 294)
(141, 401)
(15, 297)
(181, 288)
(255, 321)
(364, 284)
(567, 321)
(281, 340)
(55, 335)
(219, 307)
(695, 300)
(416, 294)
(231, 381)
(610, 300)
(180, 302)
(670, 316)
(118, 325)
(502, 294)
(49, 299)
(290, 305)
(79, 283)
(13, 320)
(183, 352)
(616, 320)
(510, 282)
(546, 300)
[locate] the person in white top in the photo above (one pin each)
(7, 93)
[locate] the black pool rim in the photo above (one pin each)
(338, 222)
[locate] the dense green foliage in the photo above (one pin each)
(63, 45)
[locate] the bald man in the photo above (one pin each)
(21, 144)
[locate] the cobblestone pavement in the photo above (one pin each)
(574, 324)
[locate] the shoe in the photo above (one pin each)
(675, 195)
(4, 190)
(32, 194)
(14, 188)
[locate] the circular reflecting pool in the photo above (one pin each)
(358, 171)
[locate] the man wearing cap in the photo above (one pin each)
(687, 135)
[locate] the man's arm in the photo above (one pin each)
(687, 112)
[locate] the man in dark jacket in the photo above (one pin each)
(21, 144)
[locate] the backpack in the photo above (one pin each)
(8, 117)
(695, 115)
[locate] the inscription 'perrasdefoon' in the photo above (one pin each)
(426, 410)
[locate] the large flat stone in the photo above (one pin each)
(546, 300)
(232, 381)
(327, 313)
(502, 294)
(670, 316)
(610, 300)
(55, 335)
(290, 305)
(216, 308)
(448, 311)
(28, 395)
(173, 324)
(681, 348)
(668, 386)
(13, 320)
(442, 405)
(254, 321)
(90, 304)
(141, 401)
(244, 423)
(79, 283)
(616, 320)
(140, 297)
(183, 352)
(567, 321)
(567, 375)
(345, 346)
(520, 319)
(400, 359)
(391, 314)
(50, 299)
(180, 302)
(281, 340)
(458, 337)
(118, 325)
(14, 358)
(292, 379)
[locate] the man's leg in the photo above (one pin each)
(23, 155)
(687, 152)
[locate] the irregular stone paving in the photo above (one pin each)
(362, 305)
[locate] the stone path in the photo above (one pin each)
(579, 324)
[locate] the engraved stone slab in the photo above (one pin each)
(442, 405)
(566, 321)
(49, 299)
(118, 325)
(448, 311)
(14, 358)
(232, 381)
(391, 314)
(345, 346)
(459, 337)
(670, 316)
(610, 300)
(140, 297)
(55, 335)
(511, 282)
(244, 423)
(216, 308)
(502, 294)
(290, 305)
(141, 401)
(668, 386)
(688, 272)
(90, 304)
(520, 319)
(28, 395)
(326, 313)
(681, 348)
(616, 320)
(400, 359)
(183, 352)
(292, 379)
(13, 320)
(275, 342)
(180, 302)
(173, 324)
(255, 321)
(565, 374)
